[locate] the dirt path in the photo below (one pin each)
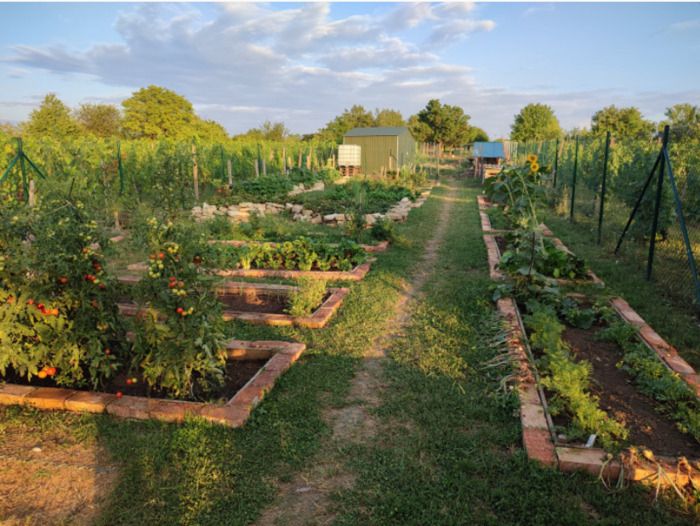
(306, 499)
(48, 477)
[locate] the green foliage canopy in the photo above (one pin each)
(156, 113)
(621, 122)
(441, 123)
(388, 117)
(355, 117)
(684, 120)
(535, 122)
(52, 119)
(102, 120)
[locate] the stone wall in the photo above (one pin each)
(240, 213)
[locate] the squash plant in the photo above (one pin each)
(179, 332)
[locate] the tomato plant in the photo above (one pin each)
(62, 312)
(179, 340)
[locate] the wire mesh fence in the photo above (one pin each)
(598, 180)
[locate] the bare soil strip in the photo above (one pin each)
(306, 499)
(49, 478)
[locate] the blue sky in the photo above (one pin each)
(241, 64)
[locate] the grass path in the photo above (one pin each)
(305, 500)
(447, 447)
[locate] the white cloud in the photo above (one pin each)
(251, 62)
(254, 56)
(685, 25)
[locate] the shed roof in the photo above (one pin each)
(488, 149)
(368, 132)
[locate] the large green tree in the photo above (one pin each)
(52, 118)
(442, 124)
(388, 117)
(355, 117)
(476, 134)
(684, 120)
(535, 122)
(156, 113)
(208, 130)
(621, 122)
(268, 131)
(102, 120)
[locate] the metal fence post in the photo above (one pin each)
(573, 182)
(23, 170)
(556, 165)
(602, 187)
(657, 206)
(684, 229)
(120, 169)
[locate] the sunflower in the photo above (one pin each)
(532, 158)
(534, 167)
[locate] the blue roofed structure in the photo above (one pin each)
(488, 150)
(487, 158)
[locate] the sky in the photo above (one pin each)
(243, 63)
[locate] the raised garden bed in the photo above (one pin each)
(540, 437)
(370, 249)
(274, 357)
(493, 251)
(261, 303)
(356, 274)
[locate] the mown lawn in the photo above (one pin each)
(448, 447)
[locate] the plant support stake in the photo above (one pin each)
(573, 182)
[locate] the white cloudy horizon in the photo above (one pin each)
(241, 64)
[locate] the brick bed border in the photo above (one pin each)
(356, 274)
(316, 320)
(538, 438)
(370, 249)
(234, 413)
(538, 433)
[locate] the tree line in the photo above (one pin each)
(537, 122)
(158, 113)
(155, 112)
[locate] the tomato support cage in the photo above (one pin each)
(22, 158)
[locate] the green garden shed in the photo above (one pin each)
(385, 149)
